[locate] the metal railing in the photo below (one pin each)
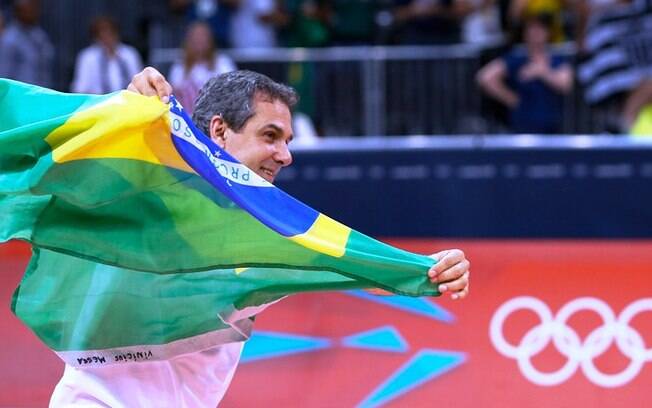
(401, 90)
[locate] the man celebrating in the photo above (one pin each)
(248, 115)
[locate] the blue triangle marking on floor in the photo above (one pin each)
(423, 367)
(385, 338)
(420, 306)
(264, 345)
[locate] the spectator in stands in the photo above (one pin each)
(482, 25)
(107, 65)
(520, 10)
(217, 14)
(307, 23)
(167, 22)
(637, 110)
(430, 21)
(201, 61)
(586, 10)
(530, 81)
(306, 26)
(254, 24)
(26, 53)
(352, 22)
(2, 23)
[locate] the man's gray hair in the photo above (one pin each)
(231, 96)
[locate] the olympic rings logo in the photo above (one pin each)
(579, 353)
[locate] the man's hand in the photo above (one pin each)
(150, 82)
(451, 272)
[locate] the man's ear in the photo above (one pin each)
(217, 129)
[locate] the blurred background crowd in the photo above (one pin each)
(362, 67)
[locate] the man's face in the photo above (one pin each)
(262, 143)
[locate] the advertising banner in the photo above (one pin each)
(547, 324)
(554, 323)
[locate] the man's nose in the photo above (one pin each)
(283, 155)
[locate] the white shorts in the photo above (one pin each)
(193, 380)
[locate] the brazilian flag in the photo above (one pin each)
(149, 241)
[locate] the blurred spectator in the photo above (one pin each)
(307, 23)
(217, 14)
(26, 53)
(254, 23)
(168, 21)
(352, 22)
(2, 22)
(306, 26)
(201, 61)
(585, 9)
(617, 54)
(530, 81)
(637, 111)
(430, 21)
(519, 10)
(108, 65)
(482, 24)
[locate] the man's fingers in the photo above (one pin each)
(141, 83)
(162, 87)
(439, 255)
(150, 82)
(461, 294)
(449, 258)
(455, 285)
(452, 273)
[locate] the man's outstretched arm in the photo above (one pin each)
(450, 273)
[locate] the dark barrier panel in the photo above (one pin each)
(475, 187)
